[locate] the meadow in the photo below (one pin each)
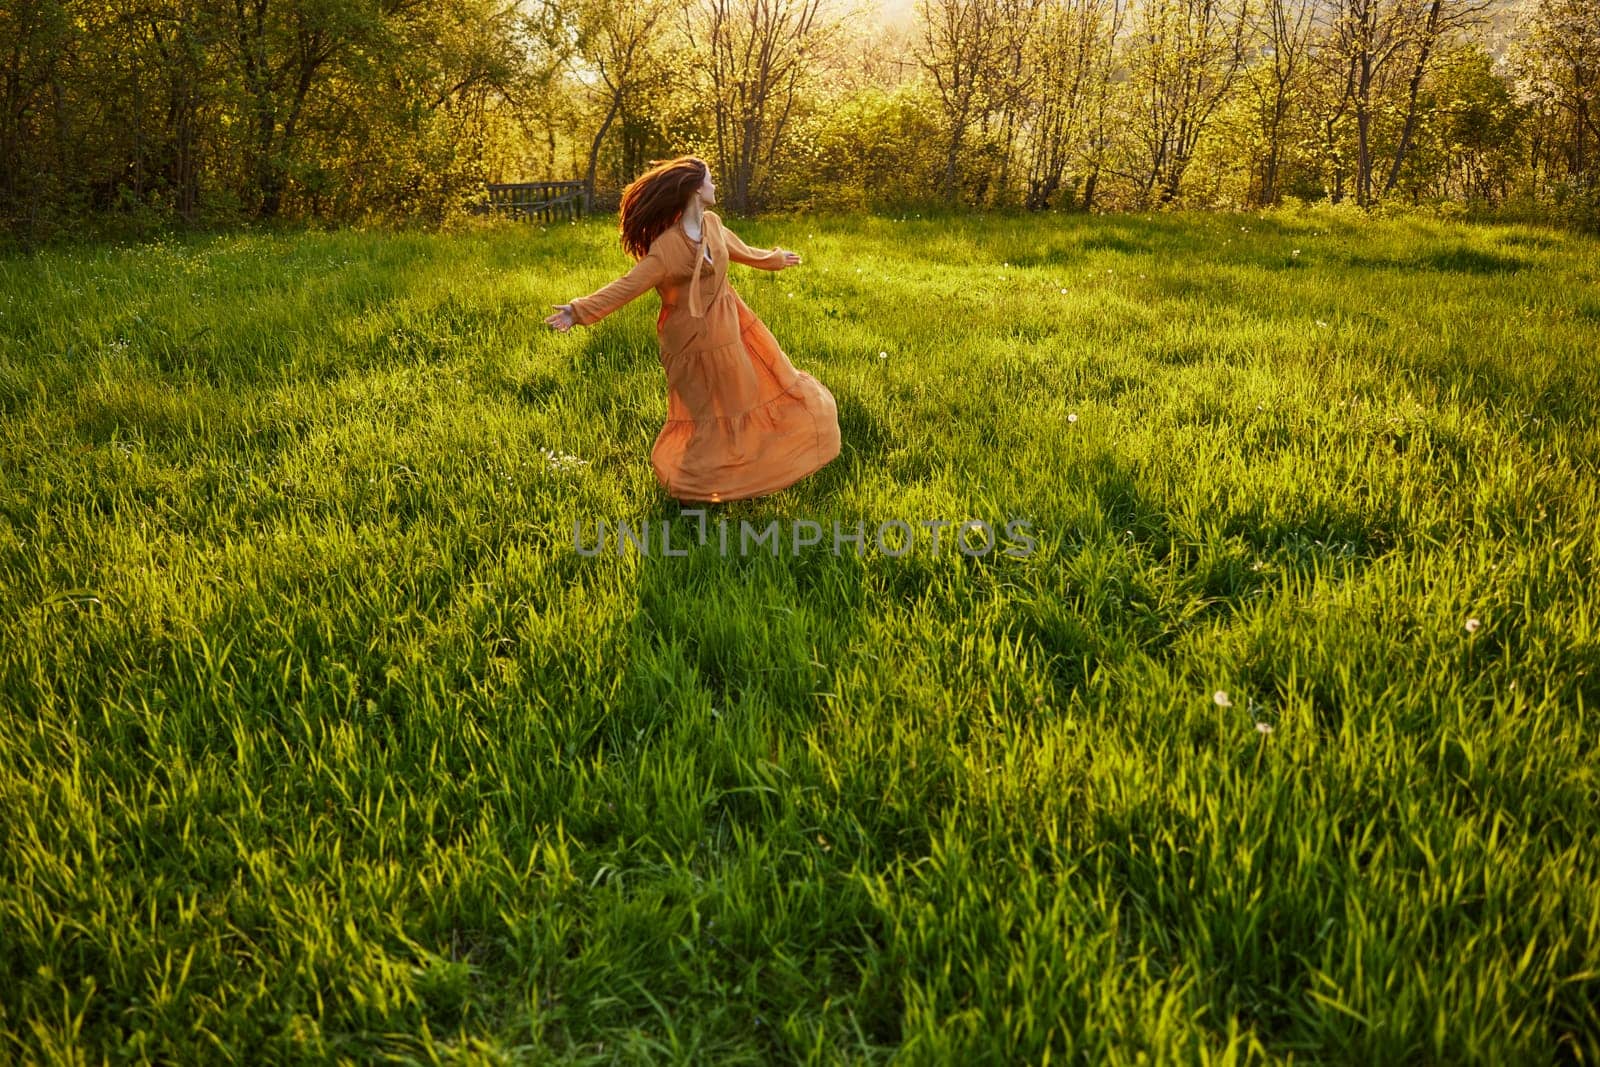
(320, 742)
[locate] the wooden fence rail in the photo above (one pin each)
(546, 201)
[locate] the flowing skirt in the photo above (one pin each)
(741, 420)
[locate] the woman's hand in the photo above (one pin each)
(790, 259)
(562, 318)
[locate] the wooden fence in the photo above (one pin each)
(546, 201)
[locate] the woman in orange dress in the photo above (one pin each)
(741, 420)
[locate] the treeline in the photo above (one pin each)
(1083, 103)
(208, 111)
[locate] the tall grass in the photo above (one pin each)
(320, 741)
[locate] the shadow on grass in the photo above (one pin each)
(1463, 260)
(1456, 260)
(864, 436)
(729, 617)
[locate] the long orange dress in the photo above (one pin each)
(741, 420)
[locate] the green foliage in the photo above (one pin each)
(319, 741)
(121, 123)
(1469, 151)
(124, 123)
(876, 150)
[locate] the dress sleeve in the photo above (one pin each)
(740, 252)
(646, 274)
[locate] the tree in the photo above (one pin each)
(1282, 35)
(1187, 56)
(1478, 131)
(614, 38)
(1559, 67)
(1072, 55)
(961, 44)
(1385, 47)
(756, 53)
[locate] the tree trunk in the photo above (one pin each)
(1363, 130)
(956, 135)
(594, 146)
(1410, 126)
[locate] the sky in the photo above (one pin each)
(889, 12)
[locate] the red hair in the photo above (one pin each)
(652, 202)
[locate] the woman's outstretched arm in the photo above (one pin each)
(588, 310)
(739, 252)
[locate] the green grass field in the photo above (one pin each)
(320, 741)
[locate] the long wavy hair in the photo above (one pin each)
(652, 202)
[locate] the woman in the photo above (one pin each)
(741, 420)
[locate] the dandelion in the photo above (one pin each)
(1072, 416)
(562, 460)
(883, 355)
(1263, 728)
(1296, 252)
(1472, 626)
(1220, 699)
(1063, 292)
